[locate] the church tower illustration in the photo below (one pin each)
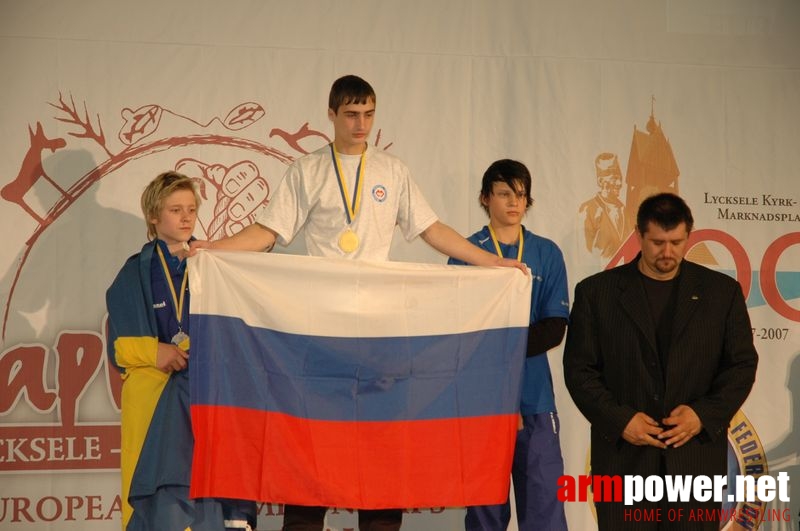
(652, 168)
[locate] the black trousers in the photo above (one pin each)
(305, 518)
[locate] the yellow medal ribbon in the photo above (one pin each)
(350, 207)
(180, 339)
(497, 243)
(348, 241)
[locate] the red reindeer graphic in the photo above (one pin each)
(31, 171)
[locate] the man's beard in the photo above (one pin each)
(666, 265)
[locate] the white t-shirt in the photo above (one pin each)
(309, 195)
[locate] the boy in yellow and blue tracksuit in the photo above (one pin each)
(148, 341)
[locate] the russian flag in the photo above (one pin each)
(341, 383)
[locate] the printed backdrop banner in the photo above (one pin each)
(605, 102)
(336, 383)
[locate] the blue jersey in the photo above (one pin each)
(164, 305)
(549, 298)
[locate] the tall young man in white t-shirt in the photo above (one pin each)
(349, 196)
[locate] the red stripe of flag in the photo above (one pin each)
(274, 457)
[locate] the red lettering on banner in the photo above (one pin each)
(116, 508)
(20, 509)
(79, 359)
(41, 509)
(64, 446)
(23, 369)
(52, 448)
(21, 506)
(73, 503)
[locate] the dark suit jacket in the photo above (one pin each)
(612, 367)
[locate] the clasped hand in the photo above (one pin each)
(682, 425)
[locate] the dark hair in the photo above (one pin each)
(665, 210)
(506, 171)
(350, 89)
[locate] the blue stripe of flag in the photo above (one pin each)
(346, 379)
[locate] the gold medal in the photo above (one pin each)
(348, 241)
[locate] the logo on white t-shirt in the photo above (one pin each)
(379, 193)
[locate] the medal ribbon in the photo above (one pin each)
(177, 303)
(497, 244)
(350, 208)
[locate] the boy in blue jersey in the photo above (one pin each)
(148, 341)
(506, 197)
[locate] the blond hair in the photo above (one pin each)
(157, 191)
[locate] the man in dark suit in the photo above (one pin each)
(659, 356)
